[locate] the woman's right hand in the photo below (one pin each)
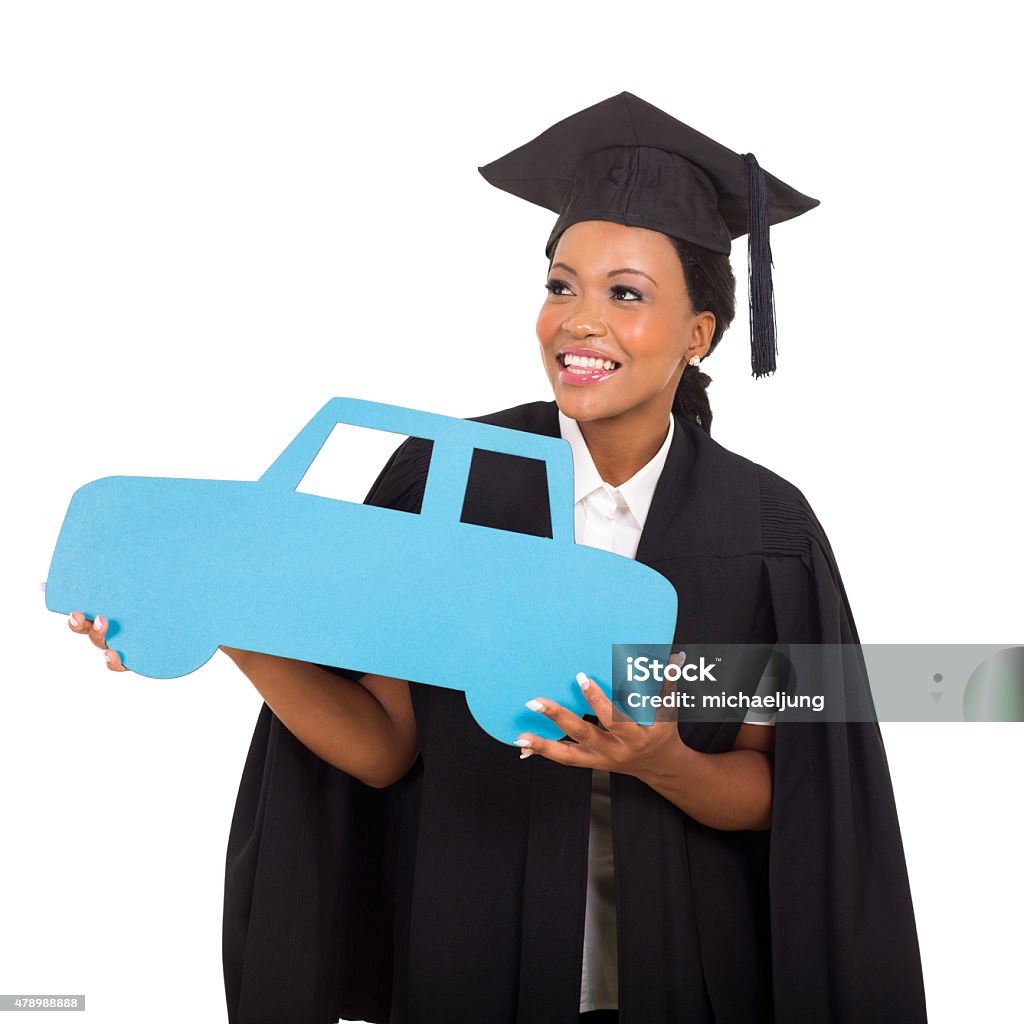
(96, 631)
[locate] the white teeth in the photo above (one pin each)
(588, 362)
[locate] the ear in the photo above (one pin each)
(703, 332)
(700, 336)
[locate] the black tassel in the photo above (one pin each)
(759, 273)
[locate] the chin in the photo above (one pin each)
(585, 407)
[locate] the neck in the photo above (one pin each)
(622, 445)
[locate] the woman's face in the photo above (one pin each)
(617, 293)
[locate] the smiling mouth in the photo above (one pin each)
(584, 371)
(586, 366)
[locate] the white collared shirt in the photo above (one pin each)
(611, 518)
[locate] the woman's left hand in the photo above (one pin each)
(622, 746)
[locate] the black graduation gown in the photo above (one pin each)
(458, 893)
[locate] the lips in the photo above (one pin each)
(582, 376)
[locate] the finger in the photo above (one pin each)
(79, 623)
(615, 721)
(571, 724)
(555, 750)
(667, 711)
(602, 705)
(114, 661)
(669, 688)
(98, 633)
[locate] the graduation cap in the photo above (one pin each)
(626, 161)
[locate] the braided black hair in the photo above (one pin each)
(712, 286)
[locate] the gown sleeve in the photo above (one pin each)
(312, 893)
(844, 940)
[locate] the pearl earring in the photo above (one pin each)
(695, 361)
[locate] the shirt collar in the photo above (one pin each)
(637, 491)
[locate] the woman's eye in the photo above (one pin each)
(619, 291)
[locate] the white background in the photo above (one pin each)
(215, 216)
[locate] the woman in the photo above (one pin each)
(390, 861)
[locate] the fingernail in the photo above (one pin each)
(97, 623)
(525, 753)
(535, 705)
(523, 742)
(73, 618)
(581, 678)
(108, 655)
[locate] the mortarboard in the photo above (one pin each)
(624, 160)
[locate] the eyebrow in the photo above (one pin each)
(611, 273)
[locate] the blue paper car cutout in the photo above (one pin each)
(259, 566)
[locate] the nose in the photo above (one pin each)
(580, 324)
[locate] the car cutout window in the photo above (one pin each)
(508, 492)
(349, 462)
